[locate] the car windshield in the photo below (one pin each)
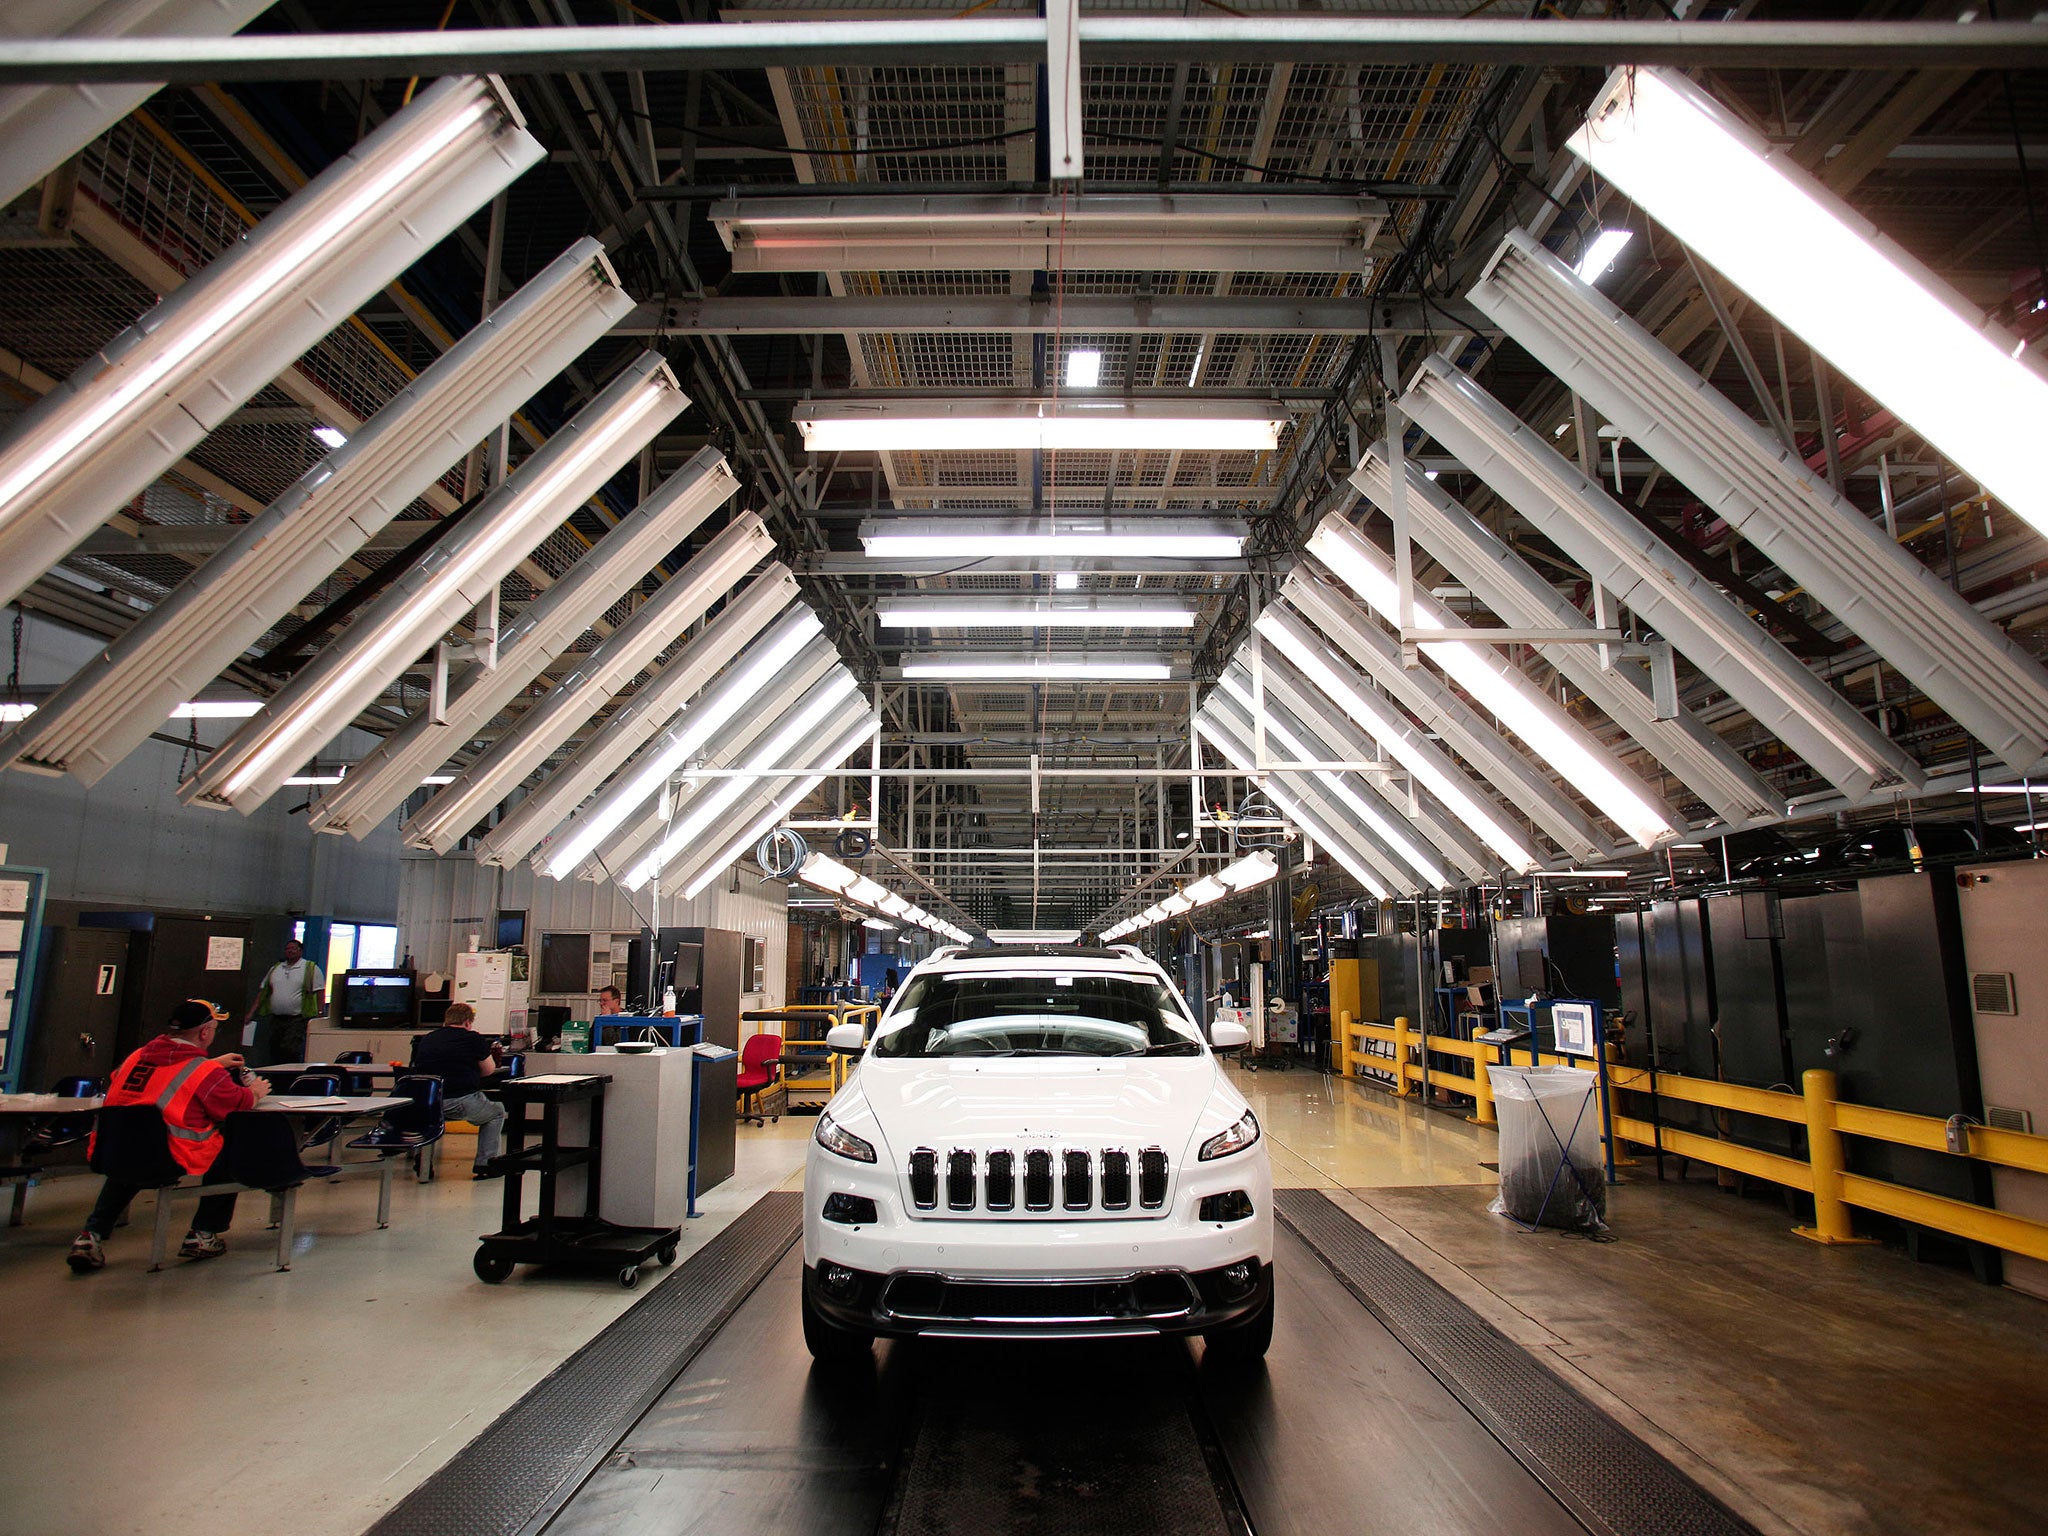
(1035, 1013)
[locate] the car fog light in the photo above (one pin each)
(1235, 1206)
(1236, 1282)
(839, 1282)
(850, 1210)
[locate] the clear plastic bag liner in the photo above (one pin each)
(1550, 1165)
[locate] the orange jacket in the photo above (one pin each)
(194, 1092)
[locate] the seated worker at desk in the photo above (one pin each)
(195, 1093)
(455, 1053)
(610, 1000)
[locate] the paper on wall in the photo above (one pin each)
(223, 954)
(10, 934)
(7, 974)
(13, 895)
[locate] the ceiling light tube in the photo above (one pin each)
(1521, 598)
(868, 893)
(1105, 231)
(1032, 613)
(819, 715)
(347, 675)
(253, 582)
(975, 538)
(1252, 870)
(216, 709)
(1510, 695)
(1054, 666)
(574, 701)
(1067, 424)
(697, 872)
(1601, 252)
(1176, 904)
(825, 873)
(1827, 274)
(1430, 700)
(527, 645)
(1614, 548)
(153, 393)
(42, 126)
(1297, 702)
(640, 781)
(1986, 681)
(1431, 767)
(1382, 827)
(444, 820)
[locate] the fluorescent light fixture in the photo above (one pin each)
(878, 922)
(314, 778)
(444, 820)
(978, 538)
(439, 778)
(330, 437)
(217, 709)
(346, 676)
(1032, 613)
(1825, 272)
(1443, 713)
(1176, 904)
(1251, 870)
(1587, 874)
(1506, 691)
(543, 630)
(1907, 614)
(1107, 666)
(13, 713)
(1601, 252)
(1206, 889)
(154, 392)
(1522, 598)
(1430, 766)
(643, 780)
(42, 126)
(199, 628)
(1084, 369)
(1071, 424)
(1613, 547)
(1066, 581)
(1104, 231)
(818, 716)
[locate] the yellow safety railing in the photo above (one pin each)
(1823, 1173)
(828, 1015)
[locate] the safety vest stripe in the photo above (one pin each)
(178, 1080)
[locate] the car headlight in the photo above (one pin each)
(1223, 1143)
(834, 1137)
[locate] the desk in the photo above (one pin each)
(20, 1114)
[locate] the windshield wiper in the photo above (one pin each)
(1166, 1048)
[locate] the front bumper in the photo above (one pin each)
(933, 1304)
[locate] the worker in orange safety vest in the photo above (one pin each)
(195, 1093)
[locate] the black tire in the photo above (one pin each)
(630, 1276)
(492, 1271)
(831, 1343)
(1244, 1343)
(667, 1256)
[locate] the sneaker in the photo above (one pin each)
(86, 1255)
(202, 1245)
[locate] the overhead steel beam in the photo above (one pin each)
(1103, 40)
(776, 315)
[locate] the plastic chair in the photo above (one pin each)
(64, 1130)
(410, 1129)
(761, 1063)
(355, 1084)
(319, 1085)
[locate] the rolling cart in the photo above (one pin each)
(551, 1236)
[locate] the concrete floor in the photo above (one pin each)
(1819, 1391)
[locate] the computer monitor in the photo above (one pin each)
(378, 999)
(1529, 972)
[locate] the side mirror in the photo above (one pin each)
(1229, 1037)
(847, 1039)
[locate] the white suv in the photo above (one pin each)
(1038, 1143)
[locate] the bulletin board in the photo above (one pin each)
(21, 929)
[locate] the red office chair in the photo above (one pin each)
(760, 1070)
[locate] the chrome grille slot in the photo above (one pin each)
(924, 1178)
(999, 1190)
(1038, 1180)
(1152, 1178)
(1116, 1179)
(959, 1180)
(1078, 1180)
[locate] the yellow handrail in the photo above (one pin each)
(1822, 1173)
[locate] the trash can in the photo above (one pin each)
(1550, 1167)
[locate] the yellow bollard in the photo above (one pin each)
(1831, 1223)
(1482, 1086)
(1342, 1047)
(1401, 1066)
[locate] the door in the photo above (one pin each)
(77, 1024)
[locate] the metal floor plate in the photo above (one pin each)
(1610, 1480)
(519, 1472)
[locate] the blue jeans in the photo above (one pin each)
(486, 1114)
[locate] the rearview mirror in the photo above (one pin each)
(847, 1039)
(1229, 1037)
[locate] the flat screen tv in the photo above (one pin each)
(378, 999)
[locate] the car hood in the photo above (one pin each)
(975, 1103)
